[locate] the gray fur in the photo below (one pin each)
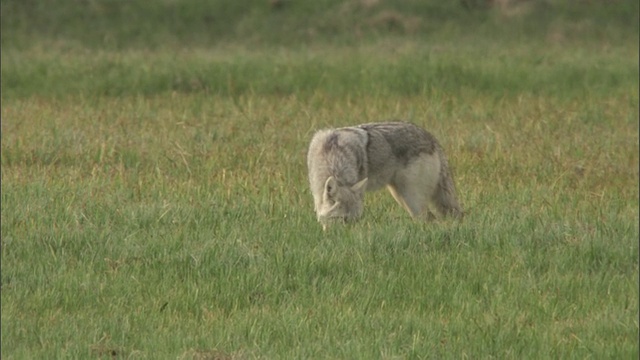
(405, 158)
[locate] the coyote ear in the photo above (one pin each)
(360, 184)
(330, 187)
(333, 207)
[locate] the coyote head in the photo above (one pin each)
(340, 202)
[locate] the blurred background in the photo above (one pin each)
(119, 24)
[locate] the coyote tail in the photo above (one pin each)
(446, 200)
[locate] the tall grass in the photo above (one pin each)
(394, 68)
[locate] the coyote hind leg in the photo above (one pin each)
(414, 186)
(415, 204)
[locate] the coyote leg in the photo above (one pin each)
(414, 186)
(413, 205)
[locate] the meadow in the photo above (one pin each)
(155, 203)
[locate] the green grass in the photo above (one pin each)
(155, 201)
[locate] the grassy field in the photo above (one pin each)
(155, 202)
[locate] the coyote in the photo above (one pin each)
(345, 162)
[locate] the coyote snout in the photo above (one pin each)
(340, 202)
